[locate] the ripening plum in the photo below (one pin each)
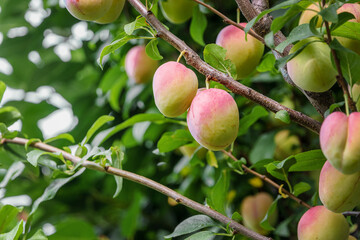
(286, 144)
(340, 141)
(213, 119)
(113, 13)
(139, 66)
(337, 191)
(174, 87)
(312, 69)
(321, 224)
(254, 209)
(351, 238)
(310, 12)
(245, 54)
(88, 10)
(177, 11)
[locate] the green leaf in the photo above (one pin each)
(349, 62)
(333, 107)
(279, 22)
(9, 115)
(117, 156)
(267, 64)
(97, 124)
(65, 136)
(198, 26)
(2, 89)
(31, 141)
(265, 223)
(15, 233)
(298, 33)
(348, 30)
(8, 214)
(170, 141)
(71, 229)
(329, 14)
(308, 161)
(137, 24)
(211, 159)
(33, 156)
(152, 50)
(283, 116)
(264, 148)
(217, 197)
(247, 121)
(203, 235)
(131, 218)
(237, 217)
(279, 168)
(215, 55)
(192, 224)
(13, 172)
(39, 235)
(300, 188)
(343, 18)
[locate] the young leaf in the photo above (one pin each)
(8, 214)
(283, 116)
(170, 141)
(300, 188)
(265, 222)
(152, 50)
(192, 224)
(65, 136)
(15, 233)
(9, 115)
(117, 156)
(215, 55)
(198, 26)
(96, 125)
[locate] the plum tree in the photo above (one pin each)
(213, 118)
(174, 88)
(177, 11)
(245, 54)
(88, 10)
(340, 141)
(312, 70)
(321, 224)
(113, 13)
(254, 208)
(139, 66)
(337, 191)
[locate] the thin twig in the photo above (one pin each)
(229, 21)
(351, 213)
(340, 78)
(268, 180)
(193, 59)
(148, 183)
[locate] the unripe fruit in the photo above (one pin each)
(354, 9)
(113, 13)
(139, 66)
(310, 12)
(356, 94)
(177, 11)
(351, 238)
(213, 119)
(286, 144)
(88, 10)
(254, 209)
(312, 69)
(337, 191)
(246, 55)
(321, 224)
(340, 141)
(174, 87)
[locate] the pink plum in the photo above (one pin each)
(113, 13)
(213, 119)
(88, 10)
(254, 209)
(139, 66)
(337, 191)
(246, 55)
(312, 69)
(174, 87)
(321, 224)
(340, 141)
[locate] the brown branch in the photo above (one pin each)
(145, 182)
(321, 101)
(268, 180)
(340, 78)
(193, 59)
(229, 21)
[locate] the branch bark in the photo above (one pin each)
(145, 182)
(193, 59)
(320, 101)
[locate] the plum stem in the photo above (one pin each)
(181, 55)
(346, 105)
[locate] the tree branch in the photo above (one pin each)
(193, 59)
(321, 101)
(145, 182)
(268, 180)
